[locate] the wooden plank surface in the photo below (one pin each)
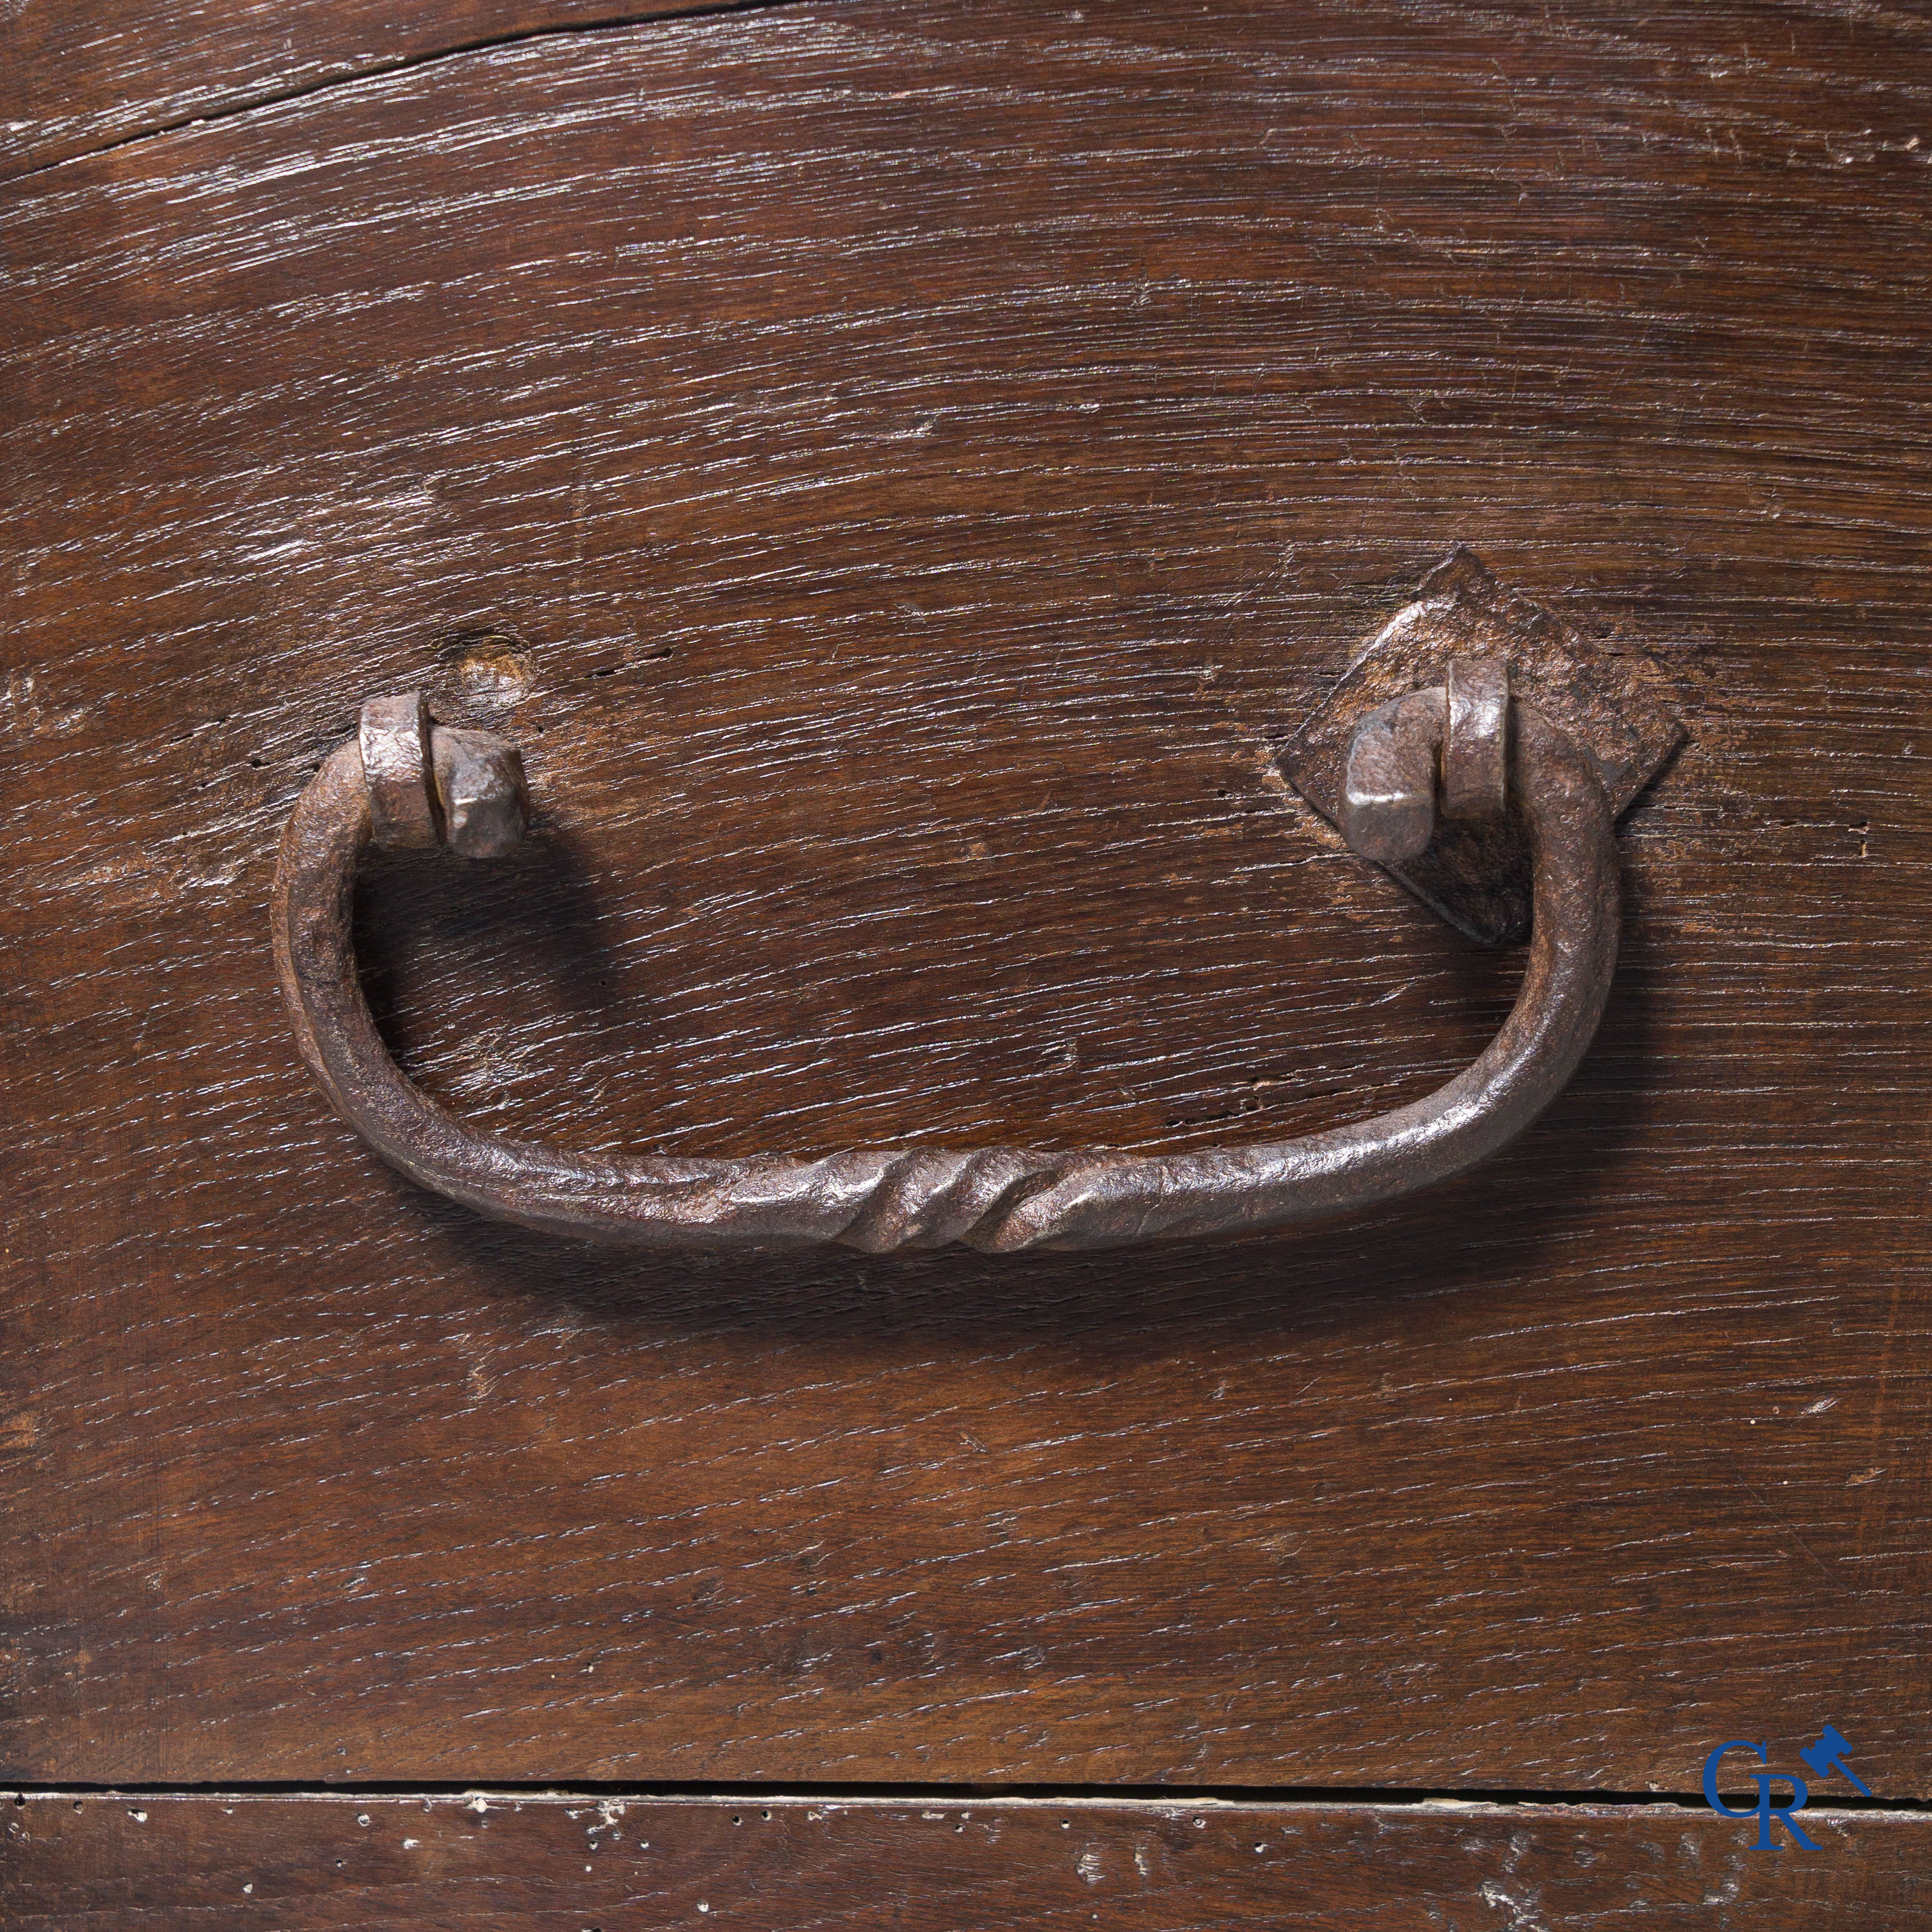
(75, 78)
(477, 1864)
(898, 470)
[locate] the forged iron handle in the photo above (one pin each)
(405, 780)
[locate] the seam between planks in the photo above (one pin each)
(511, 1792)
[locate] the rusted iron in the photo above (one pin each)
(393, 735)
(1388, 796)
(1616, 705)
(1395, 795)
(1475, 752)
(480, 790)
(438, 785)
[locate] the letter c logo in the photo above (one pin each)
(1711, 1797)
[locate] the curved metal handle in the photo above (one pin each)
(407, 781)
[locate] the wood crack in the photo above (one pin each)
(252, 101)
(592, 1791)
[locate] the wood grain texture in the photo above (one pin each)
(76, 78)
(898, 470)
(491, 1862)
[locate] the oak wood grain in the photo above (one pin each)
(492, 1861)
(898, 470)
(74, 79)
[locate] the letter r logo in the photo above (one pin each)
(1764, 1809)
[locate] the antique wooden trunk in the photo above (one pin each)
(904, 476)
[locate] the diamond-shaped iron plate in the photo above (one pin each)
(1614, 702)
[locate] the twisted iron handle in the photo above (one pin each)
(407, 781)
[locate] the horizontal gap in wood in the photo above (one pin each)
(1251, 1795)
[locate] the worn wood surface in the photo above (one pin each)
(562, 1864)
(75, 78)
(898, 470)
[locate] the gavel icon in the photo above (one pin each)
(1829, 1754)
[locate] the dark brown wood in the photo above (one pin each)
(899, 470)
(79, 77)
(564, 1864)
